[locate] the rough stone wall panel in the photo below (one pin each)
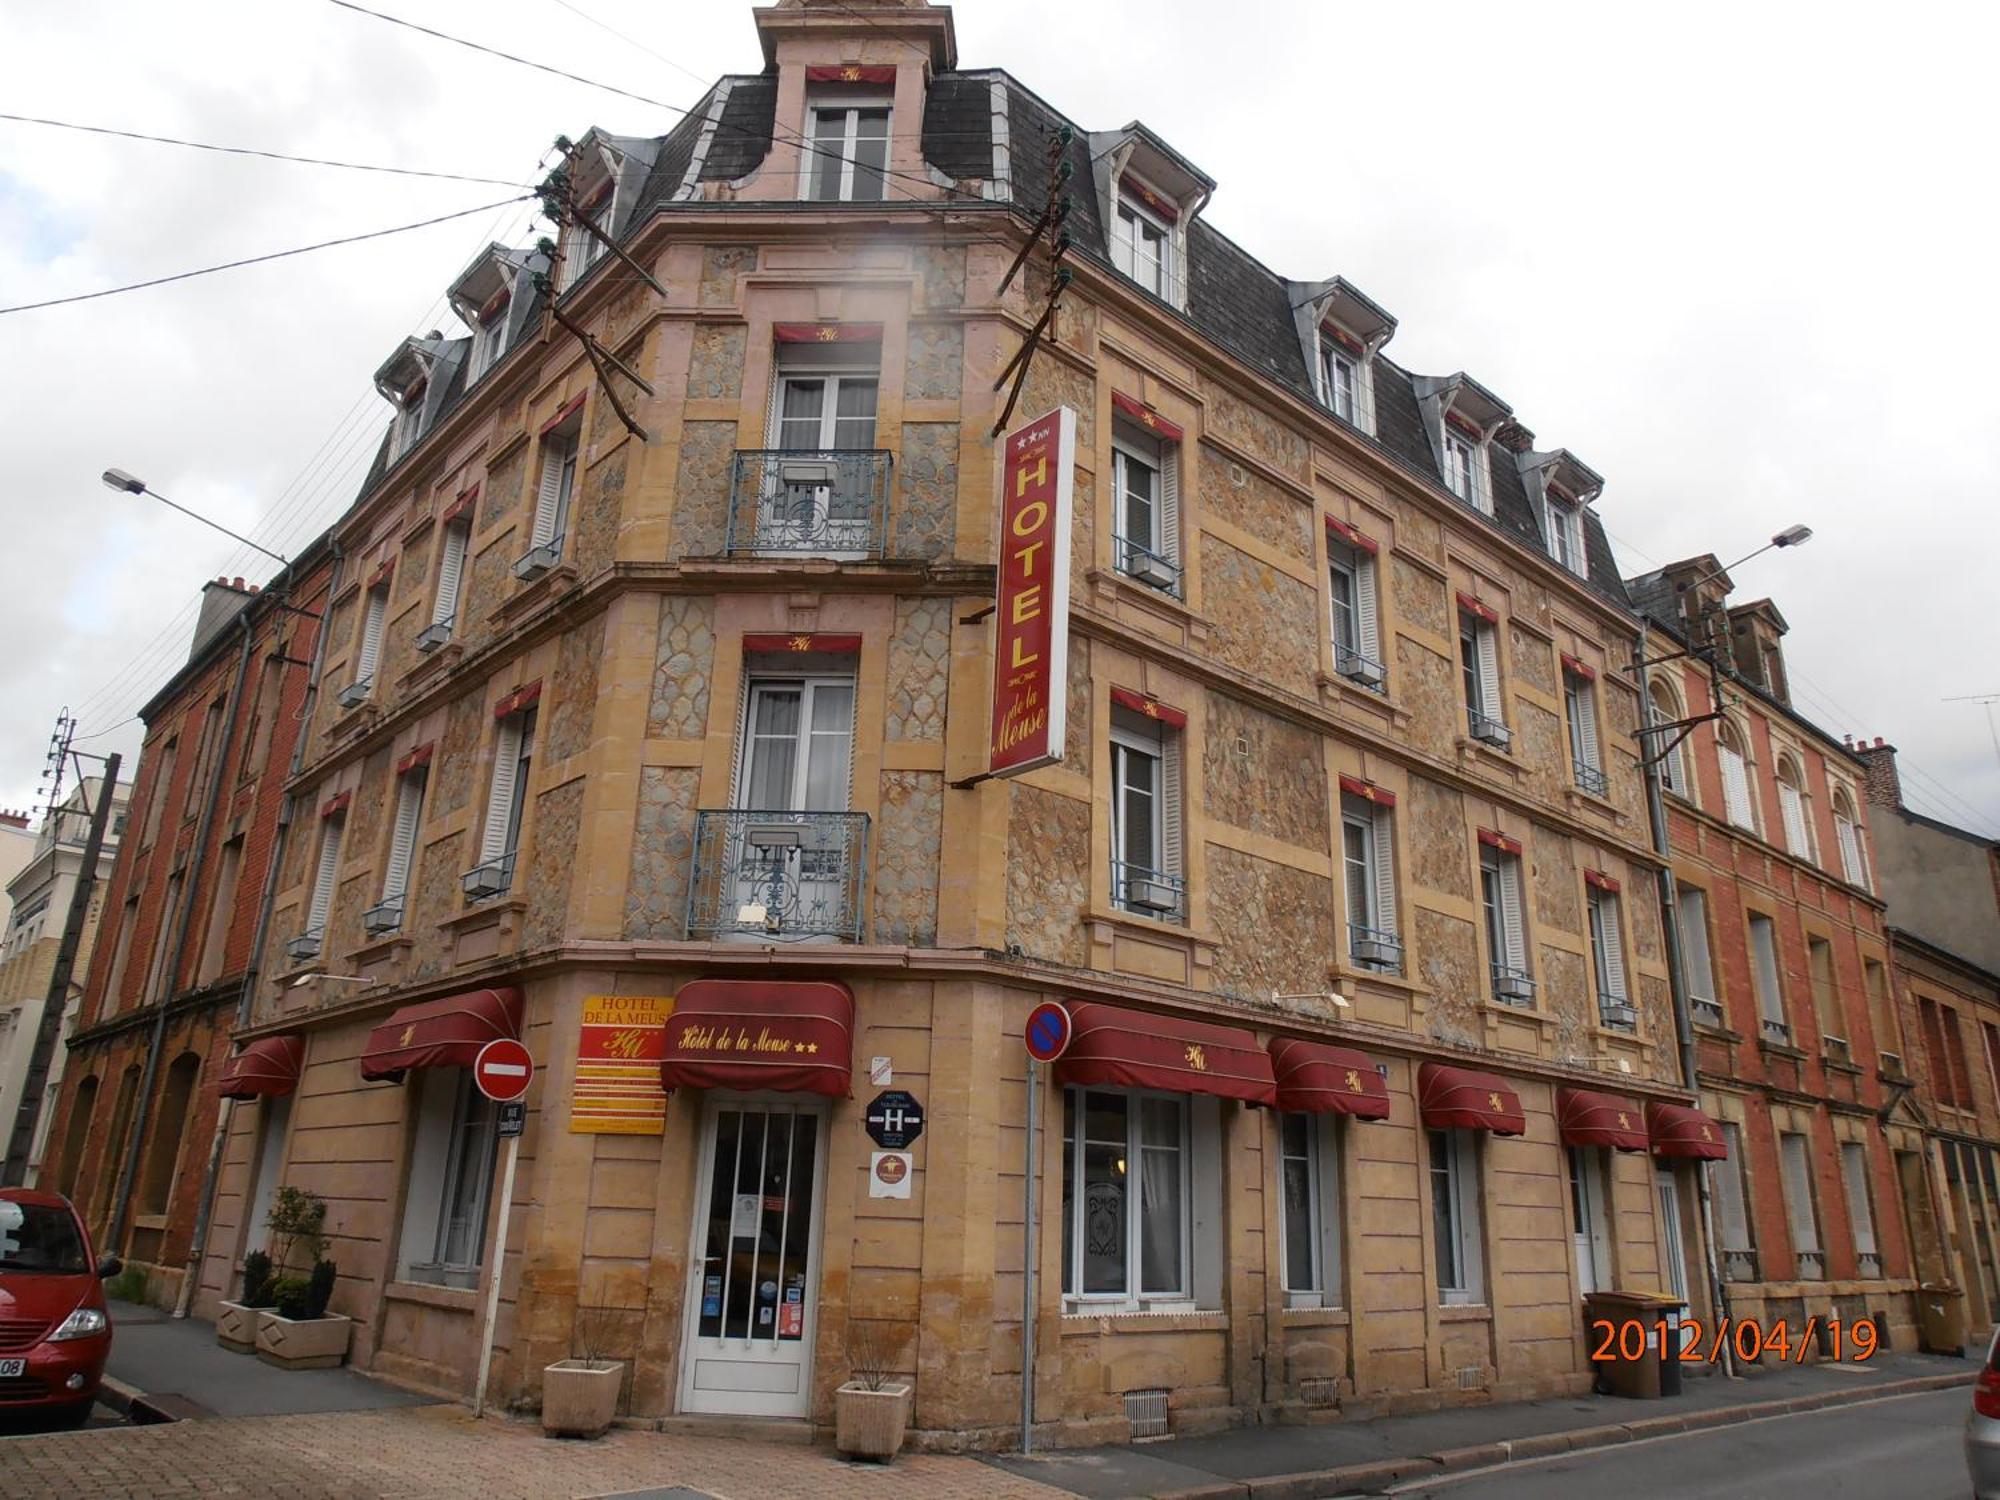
(1241, 597)
(1554, 872)
(1055, 382)
(1420, 598)
(1428, 686)
(1641, 907)
(558, 822)
(1448, 950)
(503, 486)
(1076, 708)
(1433, 836)
(492, 582)
(682, 662)
(701, 488)
(662, 848)
(935, 369)
(1257, 434)
(436, 895)
(1264, 773)
(720, 266)
(1048, 881)
(351, 897)
(1418, 531)
(715, 366)
(926, 491)
(595, 527)
(1531, 659)
(1277, 925)
(1541, 746)
(941, 275)
(1243, 496)
(457, 757)
(906, 843)
(919, 665)
(575, 708)
(1568, 991)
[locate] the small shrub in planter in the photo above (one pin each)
(580, 1395)
(871, 1412)
(236, 1322)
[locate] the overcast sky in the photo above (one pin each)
(1737, 258)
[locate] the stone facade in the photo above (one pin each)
(927, 488)
(907, 846)
(919, 668)
(1263, 773)
(663, 845)
(701, 489)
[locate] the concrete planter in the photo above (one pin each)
(236, 1327)
(580, 1399)
(303, 1343)
(870, 1424)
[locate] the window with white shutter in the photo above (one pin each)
(1479, 675)
(374, 613)
(1736, 800)
(1860, 1204)
(1586, 763)
(1566, 535)
(1356, 617)
(552, 495)
(1146, 523)
(1739, 1255)
(1454, 1174)
(1142, 246)
(596, 195)
(1847, 833)
(1692, 906)
(506, 802)
(1346, 383)
(1765, 980)
(1801, 1217)
(328, 870)
(1465, 470)
(451, 573)
(1506, 930)
(403, 838)
(1667, 743)
(1147, 857)
(1607, 951)
(1369, 881)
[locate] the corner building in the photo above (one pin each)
(1343, 870)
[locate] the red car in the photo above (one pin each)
(55, 1331)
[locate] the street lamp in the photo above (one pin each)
(1791, 536)
(127, 484)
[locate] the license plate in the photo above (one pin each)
(12, 1367)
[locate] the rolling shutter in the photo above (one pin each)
(1793, 808)
(1614, 947)
(1510, 913)
(1694, 944)
(1584, 705)
(1172, 856)
(1736, 788)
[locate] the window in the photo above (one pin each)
(1944, 1051)
(1580, 702)
(1146, 817)
(552, 497)
(156, 1179)
(1368, 868)
(263, 713)
(1590, 1224)
(1607, 952)
(1667, 744)
(1345, 384)
(374, 612)
(1566, 536)
(580, 248)
(1826, 997)
(1729, 749)
(849, 153)
(1884, 1021)
(387, 916)
(1692, 907)
(1465, 469)
(800, 735)
(1357, 625)
(1794, 1160)
(207, 751)
(452, 548)
(1764, 979)
(161, 977)
(1732, 1225)
(221, 911)
(818, 489)
(1860, 1206)
(1847, 833)
(1992, 1036)
(1506, 939)
(1792, 806)
(161, 789)
(1127, 1188)
(409, 417)
(1142, 247)
(451, 1178)
(1953, 1027)
(1309, 1196)
(489, 337)
(1145, 476)
(121, 955)
(1454, 1169)
(820, 408)
(506, 802)
(1479, 668)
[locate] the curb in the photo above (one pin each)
(117, 1395)
(1377, 1475)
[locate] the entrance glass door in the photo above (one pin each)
(755, 1271)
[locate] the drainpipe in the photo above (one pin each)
(183, 922)
(247, 995)
(1670, 915)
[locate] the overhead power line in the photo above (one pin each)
(255, 260)
(310, 161)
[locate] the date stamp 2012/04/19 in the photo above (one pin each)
(1746, 1338)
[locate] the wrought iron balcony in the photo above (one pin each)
(1375, 948)
(778, 877)
(1150, 893)
(493, 878)
(1617, 1013)
(1590, 779)
(1151, 568)
(382, 919)
(305, 947)
(1512, 986)
(1488, 731)
(358, 691)
(800, 502)
(1355, 667)
(435, 634)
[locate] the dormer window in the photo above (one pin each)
(408, 420)
(1465, 469)
(489, 336)
(1566, 534)
(580, 248)
(848, 158)
(1344, 384)
(1142, 246)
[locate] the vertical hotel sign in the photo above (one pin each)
(618, 1052)
(1031, 638)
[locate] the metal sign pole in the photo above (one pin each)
(1028, 1248)
(499, 1268)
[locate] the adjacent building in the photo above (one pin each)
(653, 730)
(42, 892)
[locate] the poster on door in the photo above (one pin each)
(618, 1052)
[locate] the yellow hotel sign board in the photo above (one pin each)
(618, 1053)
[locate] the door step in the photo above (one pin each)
(793, 1430)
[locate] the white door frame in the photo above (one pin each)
(741, 1403)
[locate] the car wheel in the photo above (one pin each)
(72, 1416)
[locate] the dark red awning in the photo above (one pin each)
(1451, 1098)
(445, 1033)
(795, 1035)
(1591, 1119)
(1315, 1078)
(1682, 1131)
(265, 1069)
(1132, 1049)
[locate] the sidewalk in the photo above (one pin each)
(1279, 1463)
(161, 1357)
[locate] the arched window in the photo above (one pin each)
(81, 1108)
(112, 1165)
(1847, 831)
(1794, 802)
(156, 1179)
(1673, 763)
(1732, 749)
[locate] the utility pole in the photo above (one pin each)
(26, 1117)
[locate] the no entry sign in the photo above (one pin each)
(502, 1069)
(1048, 1031)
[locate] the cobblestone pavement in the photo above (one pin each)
(441, 1451)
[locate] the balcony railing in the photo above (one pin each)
(1150, 893)
(1812, 1267)
(435, 634)
(1512, 986)
(305, 947)
(536, 561)
(384, 918)
(1739, 1265)
(1375, 948)
(1143, 565)
(1590, 779)
(830, 502)
(1779, 1032)
(493, 878)
(778, 876)
(1617, 1013)
(1352, 665)
(1488, 731)
(1707, 1012)
(358, 691)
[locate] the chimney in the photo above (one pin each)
(1885, 787)
(13, 819)
(220, 602)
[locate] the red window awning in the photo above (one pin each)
(1586, 1118)
(1465, 1099)
(265, 1069)
(1130, 1049)
(794, 1035)
(446, 1033)
(1316, 1078)
(1680, 1130)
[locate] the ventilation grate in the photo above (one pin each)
(1146, 1411)
(1472, 1377)
(1320, 1391)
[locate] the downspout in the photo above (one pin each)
(1670, 917)
(184, 921)
(247, 996)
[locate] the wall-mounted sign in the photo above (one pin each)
(618, 1052)
(1031, 622)
(889, 1174)
(894, 1119)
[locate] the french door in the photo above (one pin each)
(796, 762)
(753, 1290)
(819, 494)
